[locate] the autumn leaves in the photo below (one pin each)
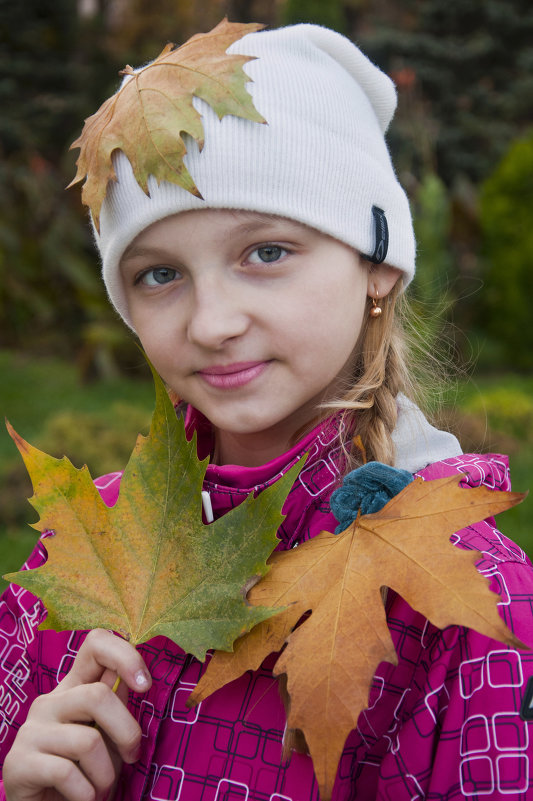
(331, 657)
(149, 566)
(146, 118)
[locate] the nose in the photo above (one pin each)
(216, 316)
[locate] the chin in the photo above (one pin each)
(245, 425)
(244, 429)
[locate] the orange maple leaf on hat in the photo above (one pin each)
(146, 118)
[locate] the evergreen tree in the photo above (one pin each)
(50, 64)
(331, 14)
(473, 69)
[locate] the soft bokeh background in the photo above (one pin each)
(71, 378)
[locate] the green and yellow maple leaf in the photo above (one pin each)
(148, 114)
(148, 565)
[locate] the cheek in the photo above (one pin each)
(159, 347)
(340, 316)
(153, 326)
(345, 333)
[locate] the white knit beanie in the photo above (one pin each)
(321, 159)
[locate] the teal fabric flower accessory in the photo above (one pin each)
(368, 489)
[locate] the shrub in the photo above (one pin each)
(506, 202)
(507, 410)
(103, 442)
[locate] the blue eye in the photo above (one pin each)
(266, 254)
(158, 276)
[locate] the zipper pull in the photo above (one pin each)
(208, 507)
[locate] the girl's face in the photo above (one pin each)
(252, 319)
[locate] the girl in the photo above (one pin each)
(268, 306)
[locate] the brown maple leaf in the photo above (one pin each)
(406, 547)
(148, 114)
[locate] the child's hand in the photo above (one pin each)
(57, 753)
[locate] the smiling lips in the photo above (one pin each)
(232, 376)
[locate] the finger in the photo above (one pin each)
(85, 703)
(47, 772)
(112, 680)
(98, 760)
(86, 745)
(103, 653)
(96, 703)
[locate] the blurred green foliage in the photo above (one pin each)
(49, 407)
(465, 73)
(102, 441)
(431, 292)
(52, 69)
(57, 66)
(331, 14)
(506, 203)
(493, 414)
(506, 409)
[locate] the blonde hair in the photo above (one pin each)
(368, 407)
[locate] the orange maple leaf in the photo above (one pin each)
(406, 547)
(148, 114)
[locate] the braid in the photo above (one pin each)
(382, 377)
(369, 405)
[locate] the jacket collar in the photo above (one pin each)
(228, 485)
(417, 444)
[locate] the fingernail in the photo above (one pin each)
(141, 679)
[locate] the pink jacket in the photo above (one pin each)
(443, 724)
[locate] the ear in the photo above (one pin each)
(381, 279)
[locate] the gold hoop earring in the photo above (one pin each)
(376, 309)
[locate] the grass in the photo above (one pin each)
(494, 414)
(97, 424)
(33, 390)
(47, 405)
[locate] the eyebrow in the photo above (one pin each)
(134, 251)
(256, 222)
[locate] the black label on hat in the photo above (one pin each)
(526, 708)
(382, 236)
